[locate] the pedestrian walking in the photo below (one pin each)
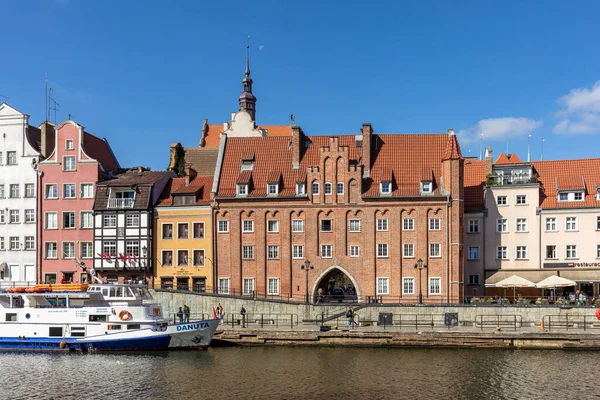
(186, 313)
(352, 316)
(180, 315)
(348, 317)
(243, 313)
(220, 311)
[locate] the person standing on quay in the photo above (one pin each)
(180, 315)
(186, 313)
(243, 313)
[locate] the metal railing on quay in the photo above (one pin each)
(570, 322)
(255, 320)
(499, 321)
(175, 318)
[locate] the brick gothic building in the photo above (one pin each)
(363, 209)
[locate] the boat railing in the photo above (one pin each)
(12, 284)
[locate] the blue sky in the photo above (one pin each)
(147, 76)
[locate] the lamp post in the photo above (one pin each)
(306, 267)
(419, 264)
(145, 254)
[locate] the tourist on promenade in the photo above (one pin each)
(243, 313)
(220, 312)
(320, 295)
(352, 316)
(186, 313)
(348, 317)
(180, 315)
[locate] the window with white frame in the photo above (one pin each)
(223, 226)
(521, 224)
(435, 286)
(571, 223)
(501, 253)
(300, 188)
(408, 224)
(87, 190)
(132, 248)
(183, 230)
(473, 226)
(354, 225)
(328, 188)
(247, 226)
(408, 250)
(571, 196)
(435, 250)
(273, 189)
(326, 225)
(521, 199)
(52, 191)
(339, 188)
(15, 216)
(2, 195)
(167, 231)
(68, 250)
(182, 258)
(224, 285)
(474, 253)
(501, 201)
(502, 225)
(598, 251)
(434, 224)
(2, 221)
(273, 288)
(132, 220)
(408, 285)
(242, 189)
(354, 251)
(109, 247)
(598, 223)
(315, 188)
(87, 250)
(167, 258)
(578, 196)
(521, 252)
(551, 224)
(29, 190)
(51, 250)
(551, 252)
(563, 197)
(473, 279)
(248, 286)
(297, 251)
(297, 225)
(29, 243)
(14, 191)
(13, 243)
(426, 187)
(109, 221)
(382, 250)
(69, 144)
(385, 187)
(273, 226)
(51, 220)
(272, 252)
(383, 286)
(326, 251)
(247, 252)
(69, 191)
(11, 158)
(29, 216)
(198, 230)
(571, 251)
(1, 242)
(382, 224)
(69, 163)
(198, 258)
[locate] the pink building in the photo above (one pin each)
(72, 161)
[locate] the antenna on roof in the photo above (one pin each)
(54, 106)
(529, 148)
(46, 84)
(293, 118)
(481, 146)
(542, 158)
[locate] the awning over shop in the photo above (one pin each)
(493, 277)
(582, 275)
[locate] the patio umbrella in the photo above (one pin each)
(514, 282)
(555, 281)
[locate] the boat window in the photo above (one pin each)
(119, 291)
(97, 318)
(11, 317)
(105, 291)
(132, 292)
(113, 292)
(55, 331)
(134, 326)
(145, 292)
(78, 331)
(114, 327)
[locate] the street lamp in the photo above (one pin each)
(419, 264)
(306, 267)
(145, 253)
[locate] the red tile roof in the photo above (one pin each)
(273, 177)
(201, 185)
(406, 154)
(213, 136)
(100, 150)
(508, 159)
(452, 151)
(245, 177)
(474, 182)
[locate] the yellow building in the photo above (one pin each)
(183, 239)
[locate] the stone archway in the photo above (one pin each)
(336, 285)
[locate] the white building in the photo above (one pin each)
(18, 187)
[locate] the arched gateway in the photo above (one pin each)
(336, 285)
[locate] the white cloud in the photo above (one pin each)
(499, 129)
(580, 112)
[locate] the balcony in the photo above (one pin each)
(504, 180)
(120, 203)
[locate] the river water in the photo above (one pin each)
(303, 373)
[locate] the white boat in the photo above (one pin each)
(101, 318)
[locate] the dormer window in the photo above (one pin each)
(242, 189)
(300, 188)
(385, 187)
(598, 195)
(426, 187)
(272, 189)
(247, 161)
(571, 196)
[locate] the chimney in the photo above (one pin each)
(46, 139)
(190, 174)
(297, 144)
(488, 161)
(367, 133)
(204, 133)
(451, 132)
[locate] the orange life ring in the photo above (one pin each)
(124, 315)
(598, 313)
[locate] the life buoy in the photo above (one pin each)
(598, 313)
(124, 315)
(63, 344)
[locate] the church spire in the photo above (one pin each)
(247, 99)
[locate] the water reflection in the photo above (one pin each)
(303, 373)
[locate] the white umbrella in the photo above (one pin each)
(555, 281)
(514, 282)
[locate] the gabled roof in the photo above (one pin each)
(134, 176)
(474, 182)
(200, 185)
(508, 159)
(244, 178)
(203, 160)
(213, 136)
(452, 151)
(273, 177)
(100, 150)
